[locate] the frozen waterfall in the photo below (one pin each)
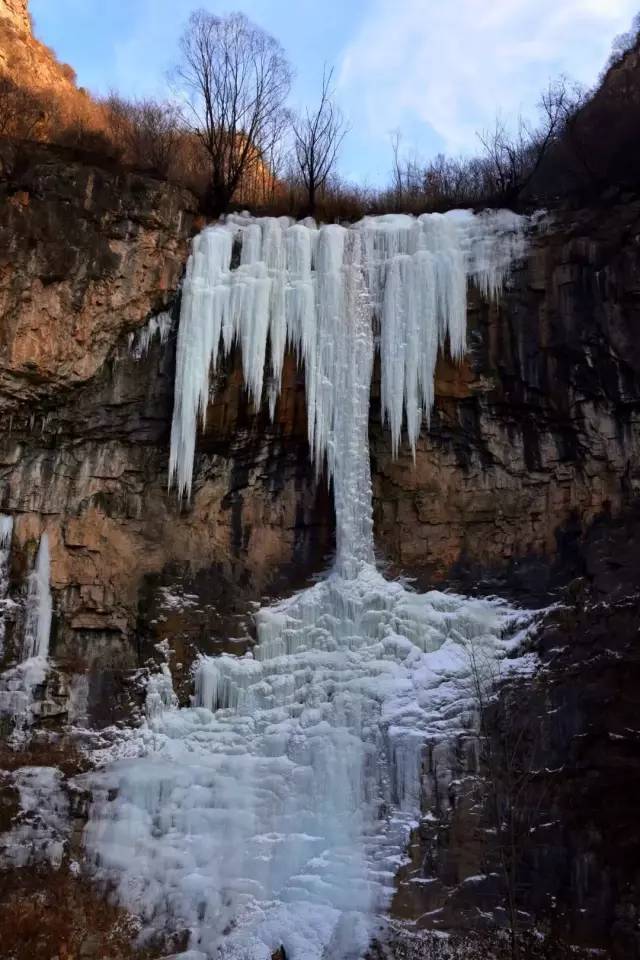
(320, 291)
(277, 808)
(6, 533)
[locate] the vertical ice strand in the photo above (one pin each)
(276, 809)
(18, 684)
(39, 608)
(6, 534)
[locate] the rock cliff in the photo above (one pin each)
(17, 13)
(85, 421)
(532, 437)
(533, 446)
(536, 433)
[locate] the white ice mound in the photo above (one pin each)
(276, 810)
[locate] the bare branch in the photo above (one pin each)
(318, 137)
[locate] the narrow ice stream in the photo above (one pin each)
(17, 684)
(276, 810)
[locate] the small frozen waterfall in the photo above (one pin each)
(6, 534)
(39, 605)
(277, 808)
(17, 684)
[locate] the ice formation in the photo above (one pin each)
(6, 532)
(159, 325)
(276, 809)
(40, 829)
(18, 684)
(297, 284)
(39, 605)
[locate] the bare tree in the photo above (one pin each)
(235, 78)
(512, 159)
(397, 172)
(267, 174)
(563, 104)
(318, 137)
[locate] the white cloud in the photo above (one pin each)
(452, 64)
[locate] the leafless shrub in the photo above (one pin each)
(21, 110)
(147, 132)
(83, 136)
(623, 43)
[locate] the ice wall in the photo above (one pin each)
(320, 291)
(277, 809)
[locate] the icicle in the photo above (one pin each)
(6, 531)
(39, 605)
(18, 685)
(289, 288)
(159, 326)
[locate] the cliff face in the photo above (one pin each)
(24, 58)
(532, 453)
(85, 256)
(17, 13)
(537, 432)
(86, 419)
(531, 438)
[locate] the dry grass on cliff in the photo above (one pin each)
(53, 107)
(52, 913)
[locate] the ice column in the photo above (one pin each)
(6, 531)
(39, 605)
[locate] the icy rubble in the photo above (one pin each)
(42, 824)
(277, 808)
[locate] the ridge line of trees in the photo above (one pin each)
(228, 135)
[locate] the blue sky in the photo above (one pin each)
(438, 70)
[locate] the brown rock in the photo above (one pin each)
(17, 13)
